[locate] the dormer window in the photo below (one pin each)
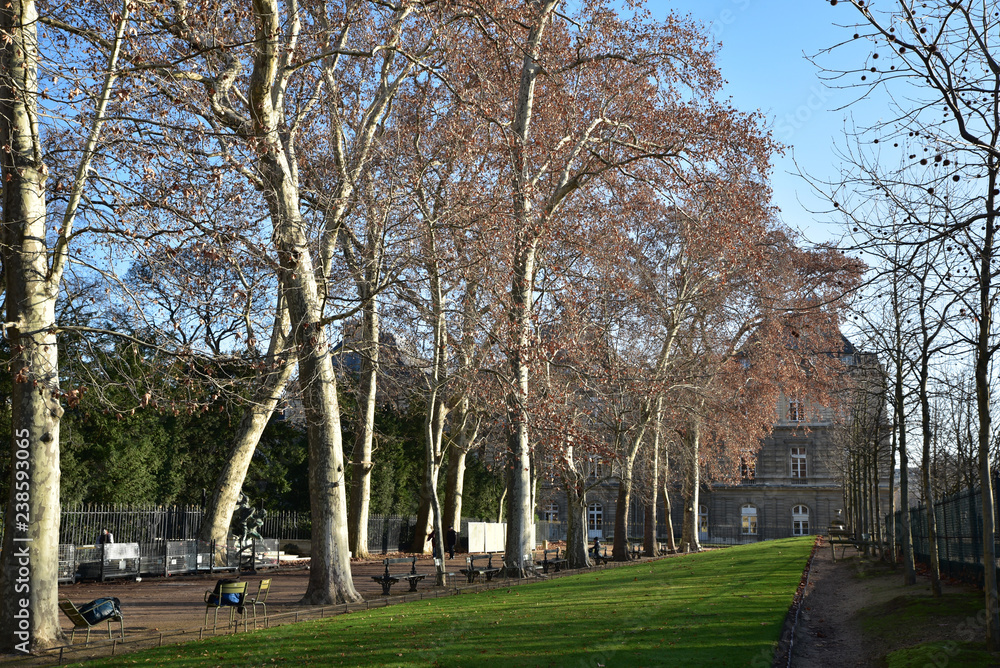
(796, 410)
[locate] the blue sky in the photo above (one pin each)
(764, 44)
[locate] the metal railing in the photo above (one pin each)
(959, 522)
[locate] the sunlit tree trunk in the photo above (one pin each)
(519, 480)
(458, 451)
(651, 546)
(29, 613)
(330, 578)
(361, 465)
(689, 531)
(222, 504)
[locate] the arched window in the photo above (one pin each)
(748, 515)
(800, 521)
(551, 512)
(703, 519)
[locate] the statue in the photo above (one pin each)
(247, 527)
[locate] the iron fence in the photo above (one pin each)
(390, 533)
(138, 523)
(959, 520)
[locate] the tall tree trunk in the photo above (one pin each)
(330, 579)
(458, 450)
(909, 568)
(522, 295)
(877, 532)
(29, 614)
(668, 515)
(454, 485)
(435, 438)
(437, 409)
(519, 510)
(984, 353)
(893, 555)
(668, 518)
(620, 548)
(434, 434)
(361, 480)
(689, 531)
(651, 545)
(869, 492)
(577, 555)
(28, 580)
(221, 506)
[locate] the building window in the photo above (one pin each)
(703, 519)
(595, 517)
(748, 468)
(552, 512)
(796, 410)
(799, 463)
(800, 521)
(749, 520)
(596, 470)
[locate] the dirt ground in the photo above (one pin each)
(174, 603)
(829, 632)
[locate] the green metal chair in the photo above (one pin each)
(259, 598)
(215, 599)
(79, 622)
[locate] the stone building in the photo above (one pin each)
(793, 487)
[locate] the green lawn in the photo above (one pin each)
(721, 608)
(910, 618)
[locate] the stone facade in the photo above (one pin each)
(792, 488)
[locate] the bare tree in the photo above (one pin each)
(943, 55)
(33, 271)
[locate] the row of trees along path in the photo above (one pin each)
(573, 227)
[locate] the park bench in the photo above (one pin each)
(556, 562)
(387, 579)
(635, 550)
(600, 557)
(471, 571)
(845, 539)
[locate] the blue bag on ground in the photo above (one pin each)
(228, 599)
(100, 609)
